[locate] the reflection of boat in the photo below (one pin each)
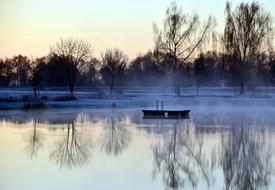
(166, 114)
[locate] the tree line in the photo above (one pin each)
(187, 52)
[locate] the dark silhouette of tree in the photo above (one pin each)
(72, 151)
(263, 74)
(55, 73)
(180, 37)
(271, 64)
(116, 138)
(89, 72)
(199, 70)
(144, 70)
(5, 72)
(246, 34)
(246, 159)
(22, 70)
(114, 63)
(72, 53)
(209, 70)
(34, 140)
(180, 159)
(37, 75)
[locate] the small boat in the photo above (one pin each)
(165, 114)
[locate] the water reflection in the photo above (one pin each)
(116, 137)
(209, 151)
(246, 158)
(180, 159)
(34, 140)
(72, 150)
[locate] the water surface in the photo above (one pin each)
(220, 148)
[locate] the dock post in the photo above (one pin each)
(162, 105)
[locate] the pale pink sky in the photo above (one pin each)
(30, 27)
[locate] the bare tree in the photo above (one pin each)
(114, 66)
(247, 33)
(180, 37)
(73, 53)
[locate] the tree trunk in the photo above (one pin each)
(242, 78)
(197, 85)
(71, 91)
(112, 86)
(71, 87)
(72, 81)
(35, 93)
(242, 87)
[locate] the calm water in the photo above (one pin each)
(229, 148)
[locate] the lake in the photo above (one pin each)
(222, 148)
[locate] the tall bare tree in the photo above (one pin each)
(73, 53)
(247, 33)
(180, 37)
(114, 66)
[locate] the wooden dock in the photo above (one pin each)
(165, 114)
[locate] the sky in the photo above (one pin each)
(31, 27)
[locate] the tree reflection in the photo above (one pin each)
(246, 159)
(116, 138)
(34, 140)
(180, 159)
(72, 151)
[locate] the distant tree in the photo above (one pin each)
(144, 70)
(114, 63)
(247, 33)
(5, 72)
(272, 66)
(38, 75)
(180, 37)
(22, 68)
(55, 74)
(199, 70)
(89, 72)
(72, 53)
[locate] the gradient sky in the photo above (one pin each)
(30, 27)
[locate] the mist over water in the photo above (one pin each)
(222, 146)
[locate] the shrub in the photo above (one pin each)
(9, 99)
(44, 97)
(34, 105)
(64, 98)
